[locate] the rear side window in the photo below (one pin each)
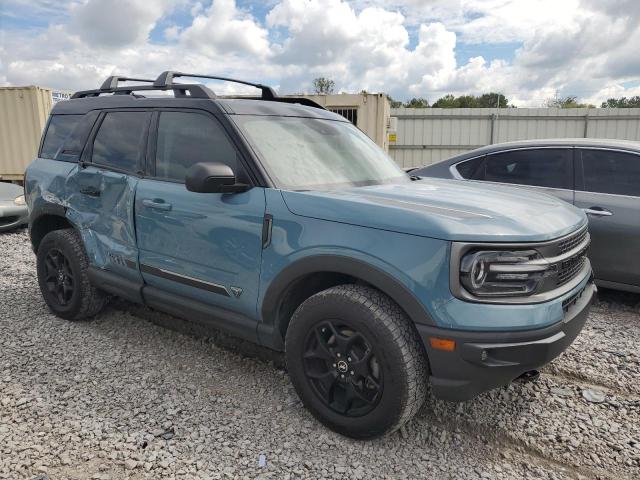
(471, 168)
(185, 139)
(611, 172)
(59, 129)
(120, 140)
(545, 167)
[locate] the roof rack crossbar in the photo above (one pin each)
(166, 78)
(179, 90)
(112, 82)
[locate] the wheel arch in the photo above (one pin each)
(308, 276)
(47, 219)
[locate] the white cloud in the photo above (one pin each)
(117, 23)
(587, 48)
(224, 30)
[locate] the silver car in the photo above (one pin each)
(600, 176)
(14, 212)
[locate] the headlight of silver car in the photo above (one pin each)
(489, 273)
(20, 200)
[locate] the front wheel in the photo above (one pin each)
(63, 276)
(356, 361)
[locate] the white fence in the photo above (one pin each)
(428, 135)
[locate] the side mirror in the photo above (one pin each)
(213, 178)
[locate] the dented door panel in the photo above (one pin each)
(101, 205)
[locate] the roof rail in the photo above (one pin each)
(179, 90)
(112, 82)
(165, 79)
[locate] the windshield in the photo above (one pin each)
(311, 154)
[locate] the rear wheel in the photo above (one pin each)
(63, 276)
(356, 361)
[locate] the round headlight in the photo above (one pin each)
(478, 273)
(19, 200)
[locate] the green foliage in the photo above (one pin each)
(323, 86)
(623, 102)
(570, 101)
(486, 100)
(393, 103)
(417, 103)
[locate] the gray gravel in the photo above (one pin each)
(125, 397)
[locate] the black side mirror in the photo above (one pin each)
(213, 178)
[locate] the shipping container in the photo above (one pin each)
(370, 112)
(23, 116)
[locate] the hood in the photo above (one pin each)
(445, 209)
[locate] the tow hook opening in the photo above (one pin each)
(530, 376)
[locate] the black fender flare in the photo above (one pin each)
(359, 269)
(45, 209)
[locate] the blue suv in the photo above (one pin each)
(280, 222)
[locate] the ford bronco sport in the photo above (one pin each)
(281, 223)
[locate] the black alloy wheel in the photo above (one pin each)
(342, 368)
(63, 276)
(59, 277)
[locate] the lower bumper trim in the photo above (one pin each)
(486, 360)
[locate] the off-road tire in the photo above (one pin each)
(86, 300)
(396, 345)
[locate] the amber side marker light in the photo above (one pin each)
(442, 344)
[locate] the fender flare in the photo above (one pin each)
(46, 209)
(359, 269)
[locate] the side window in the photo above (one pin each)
(120, 140)
(60, 127)
(544, 167)
(611, 172)
(471, 169)
(185, 139)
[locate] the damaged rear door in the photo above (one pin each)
(103, 190)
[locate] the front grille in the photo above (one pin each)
(7, 220)
(572, 241)
(570, 267)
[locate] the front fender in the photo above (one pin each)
(323, 263)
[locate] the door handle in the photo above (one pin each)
(156, 204)
(597, 212)
(90, 191)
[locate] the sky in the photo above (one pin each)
(530, 50)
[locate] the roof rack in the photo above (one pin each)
(165, 79)
(112, 82)
(179, 89)
(165, 82)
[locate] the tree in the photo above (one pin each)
(417, 103)
(623, 102)
(486, 100)
(323, 86)
(448, 101)
(393, 103)
(490, 100)
(570, 101)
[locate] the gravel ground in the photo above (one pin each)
(125, 397)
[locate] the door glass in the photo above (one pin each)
(60, 127)
(185, 139)
(545, 167)
(120, 140)
(471, 169)
(611, 172)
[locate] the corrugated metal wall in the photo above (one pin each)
(428, 135)
(23, 115)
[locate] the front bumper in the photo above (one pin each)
(482, 361)
(12, 216)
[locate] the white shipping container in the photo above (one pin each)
(23, 116)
